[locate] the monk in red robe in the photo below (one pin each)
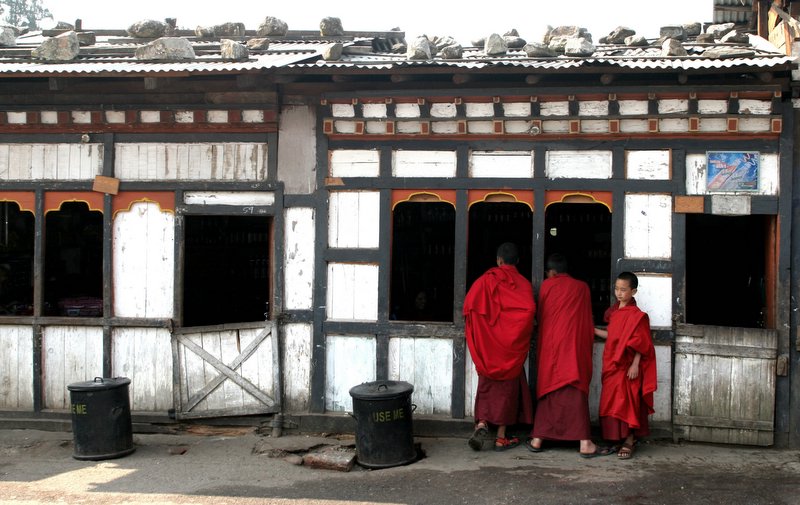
(566, 337)
(499, 310)
(629, 369)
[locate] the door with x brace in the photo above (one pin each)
(226, 370)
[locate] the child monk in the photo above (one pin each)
(629, 369)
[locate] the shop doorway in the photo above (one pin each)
(492, 223)
(582, 232)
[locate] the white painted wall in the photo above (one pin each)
(654, 296)
(50, 161)
(511, 164)
(70, 354)
(579, 164)
(299, 239)
(16, 367)
(355, 163)
(352, 292)
(423, 163)
(234, 198)
(144, 355)
(350, 361)
(143, 261)
(427, 364)
(297, 341)
(648, 226)
(354, 219)
(648, 165)
(234, 161)
(297, 154)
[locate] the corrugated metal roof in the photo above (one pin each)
(733, 11)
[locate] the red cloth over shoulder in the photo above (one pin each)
(628, 333)
(566, 335)
(499, 310)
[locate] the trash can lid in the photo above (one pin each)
(381, 390)
(99, 384)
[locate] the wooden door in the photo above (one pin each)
(226, 370)
(724, 384)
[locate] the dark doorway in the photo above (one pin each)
(16, 260)
(491, 224)
(423, 259)
(226, 270)
(727, 277)
(582, 232)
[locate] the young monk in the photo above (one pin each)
(498, 311)
(629, 369)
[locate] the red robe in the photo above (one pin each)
(499, 311)
(621, 397)
(566, 335)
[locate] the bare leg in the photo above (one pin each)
(588, 447)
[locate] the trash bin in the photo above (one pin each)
(101, 418)
(384, 435)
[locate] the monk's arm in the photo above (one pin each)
(599, 332)
(633, 370)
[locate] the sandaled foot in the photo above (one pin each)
(504, 444)
(478, 436)
(626, 451)
(531, 447)
(598, 451)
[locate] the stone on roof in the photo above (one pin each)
(514, 42)
(673, 47)
(673, 32)
(333, 52)
(8, 36)
(273, 27)
(452, 52)
(147, 29)
(233, 50)
(260, 44)
(719, 30)
(579, 47)
(419, 49)
(539, 50)
(331, 27)
(495, 45)
(693, 29)
(64, 47)
(619, 35)
(166, 48)
(636, 41)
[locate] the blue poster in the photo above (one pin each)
(732, 171)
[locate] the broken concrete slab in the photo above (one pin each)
(341, 460)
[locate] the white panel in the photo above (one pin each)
(768, 175)
(409, 126)
(633, 107)
(150, 116)
(352, 292)
(423, 163)
(594, 126)
(444, 127)
(672, 106)
(470, 386)
(206, 161)
(662, 398)
(69, 354)
(579, 164)
(554, 109)
(406, 110)
(648, 226)
(426, 363)
(49, 117)
(443, 110)
(593, 108)
(480, 127)
(709, 124)
(755, 124)
(344, 126)
(237, 198)
(115, 116)
(353, 219)
(555, 126)
(217, 116)
(299, 267)
(81, 117)
(517, 127)
(253, 116)
(654, 297)
(375, 127)
(712, 106)
(648, 165)
(512, 164)
(634, 126)
(184, 116)
(143, 261)
(673, 125)
(518, 109)
(343, 110)
(373, 110)
(259, 368)
(479, 109)
(51, 161)
(144, 355)
(297, 340)
(17, 117)
(350, 361)
(755, 106)
(16, 368)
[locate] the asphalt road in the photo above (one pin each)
(242, 467)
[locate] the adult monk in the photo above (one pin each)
(498, 311)
(566, 336)
(629, 368)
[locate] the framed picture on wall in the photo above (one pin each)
(732, 170)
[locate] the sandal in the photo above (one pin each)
(529, 445)
(626, 451)
(504, 444)
(478, 436)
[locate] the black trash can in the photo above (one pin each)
(101, 418)
(384, 434)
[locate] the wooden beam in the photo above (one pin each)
(607, 79)
(151, 83)
(402, 78)
(56, 83)
(532, 79)
(463, 78)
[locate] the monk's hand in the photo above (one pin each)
(633, 371)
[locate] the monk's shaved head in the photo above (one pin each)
(509, 253)
(557, 262)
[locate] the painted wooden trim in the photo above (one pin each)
(54, 199)
(561, 196)
(521, 196)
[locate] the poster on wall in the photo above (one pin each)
(732, 170)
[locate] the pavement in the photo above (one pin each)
(240, 465)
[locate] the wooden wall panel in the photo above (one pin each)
(648, 226)
(648, 165)
(297, 340)
(50, 161)
(653, 298)
(352, 292)
(578, 164)
(299, 253)
(144, 355)
(355, 163)
(70, 354)
(424, 163)
(350, 361)
(427, 364)
(511, 164)
(231, 161)
(143, 262)
(16, 367)
(353, 219)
